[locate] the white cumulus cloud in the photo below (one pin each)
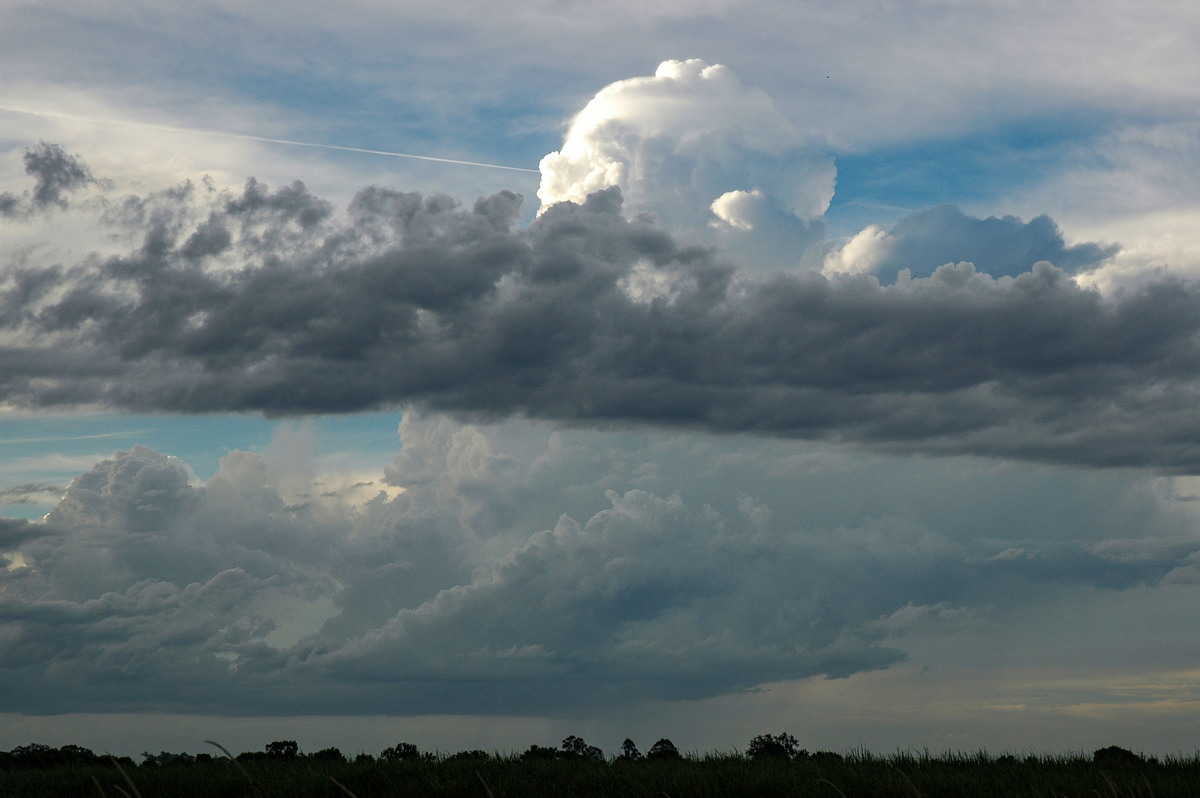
(692, 144)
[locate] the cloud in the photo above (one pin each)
(526, 551)
(56, 173)
(530, 570)
(696, 148)
(1136, 184)
(15, 532)
(272, 300)
(1133, 169)
(922, 241)
(888, 65)
(29, 493)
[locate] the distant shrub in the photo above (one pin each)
(469, 756)
(329, 755)
(1115, 756)
(540, 752)
(827, 756)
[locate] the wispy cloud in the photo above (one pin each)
(31, 493)
(263, 139)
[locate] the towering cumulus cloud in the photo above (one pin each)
(696, 148)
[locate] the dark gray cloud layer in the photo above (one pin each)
(274, 301)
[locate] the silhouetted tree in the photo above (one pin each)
(827, 756)
(629, 751)
(36, 755)
(540, 752)
(400, 751)
(329, 755)
(78, 755)
(471, 756)
(165, 758)
(283, 749)
(772, 746)
(663, 749)
(575, 748)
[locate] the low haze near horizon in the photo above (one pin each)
(831, 371)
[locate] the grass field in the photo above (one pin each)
(477, 775)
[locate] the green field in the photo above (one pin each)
(561, 773)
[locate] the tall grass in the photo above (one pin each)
(857, 774)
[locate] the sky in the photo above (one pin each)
(478, 375)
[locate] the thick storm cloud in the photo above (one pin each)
(505, 578)
(273, 300)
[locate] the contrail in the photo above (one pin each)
(264, 139)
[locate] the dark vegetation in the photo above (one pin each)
(772, 765)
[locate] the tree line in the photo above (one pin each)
(763, 747)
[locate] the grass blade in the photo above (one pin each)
(236, 764)
(343, 787)
(128, 780)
